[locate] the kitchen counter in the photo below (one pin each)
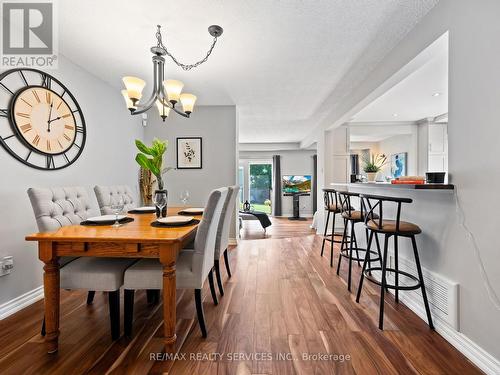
(383, 185)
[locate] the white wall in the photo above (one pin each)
(473, 117)
(217, 125)
(293, 162)
(108, 158)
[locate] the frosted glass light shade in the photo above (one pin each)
(162, 109)
(173, 89)
(134, 87)
(188, 101)
(127, 100)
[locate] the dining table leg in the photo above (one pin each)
(51, 295)
(168, 256)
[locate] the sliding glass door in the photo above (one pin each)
(255, 179)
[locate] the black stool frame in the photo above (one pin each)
(347, 252)
(331, 199)
(369, 203)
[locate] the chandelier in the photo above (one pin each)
(166, 93)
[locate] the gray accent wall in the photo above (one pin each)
(217, 125)
(108, 158)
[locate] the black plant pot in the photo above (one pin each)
(164, 210)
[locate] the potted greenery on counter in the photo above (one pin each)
(151, 158)
(373, 164)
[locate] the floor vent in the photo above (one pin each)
(442, 293)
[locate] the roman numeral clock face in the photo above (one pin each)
(42, 125)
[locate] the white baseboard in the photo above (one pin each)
(10, 307)
(308, 215)
(477, 355)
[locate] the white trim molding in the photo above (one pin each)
(477, 355)
(14, 305)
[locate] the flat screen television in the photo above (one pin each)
(296, 184)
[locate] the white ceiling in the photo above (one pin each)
(278, 61)
(414, 98)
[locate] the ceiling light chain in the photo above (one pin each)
(215, 33)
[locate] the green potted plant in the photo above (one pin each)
(373, 164)
(151, 158)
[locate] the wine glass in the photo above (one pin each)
(160, 201)
(184, 196)
(117, 207)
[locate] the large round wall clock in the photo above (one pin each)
(41, 123)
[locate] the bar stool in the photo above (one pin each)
(397, 228)
(332, 206)
(353, 217)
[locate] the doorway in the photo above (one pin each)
(255, 180)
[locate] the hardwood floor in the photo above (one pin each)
(283, 302)
(281, 228)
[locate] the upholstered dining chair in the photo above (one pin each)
(60, 206)
(222, 240)
(107, 195)
(193, 265)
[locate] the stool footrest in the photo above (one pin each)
(392, 286)
(345, 254)
(328, 237)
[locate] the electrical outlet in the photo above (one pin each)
(6, 265)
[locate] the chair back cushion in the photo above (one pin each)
(107, 195)
(222, 240)
(204, 243)
(60, 206)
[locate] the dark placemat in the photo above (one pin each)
(162, 225)
(125, 220)
(190, 213)
(140, 212)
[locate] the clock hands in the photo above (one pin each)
(50, 114)
(55, 119)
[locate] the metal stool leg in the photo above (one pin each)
(326, 230)
(344, 241)
(365, 263)
(422, 285)
(396, 276)
(355, 244)
(333, 240)
(350, 257)
(382, 289)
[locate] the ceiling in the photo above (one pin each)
(278, 61)
(422, 94)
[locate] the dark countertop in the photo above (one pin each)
(398, 186)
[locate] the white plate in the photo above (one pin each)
(175, 219)
(145, 208)
(106, 218)
(193, 210)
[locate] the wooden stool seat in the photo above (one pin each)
(390, 226)
(356, 215)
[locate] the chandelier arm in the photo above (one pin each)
(157, 66)
(170, 105)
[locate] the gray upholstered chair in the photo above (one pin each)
(222, 240)
(193, 266)
(61, 206)
(107, 195)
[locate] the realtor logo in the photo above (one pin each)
(28, 34)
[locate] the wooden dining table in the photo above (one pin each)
(137, 239)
